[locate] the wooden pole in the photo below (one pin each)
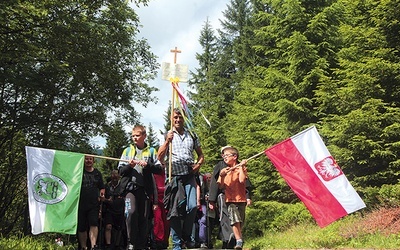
(106, 157)
(252, 157)
(172, 127)
(175, 81)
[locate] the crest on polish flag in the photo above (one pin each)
(328, 169)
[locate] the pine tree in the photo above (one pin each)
(208, 96)
(116, 141)
(152, 139)
(362, 95)
(275, 97)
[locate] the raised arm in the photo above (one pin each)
(163, 149)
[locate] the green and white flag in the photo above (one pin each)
(54, 186)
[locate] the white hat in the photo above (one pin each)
(225, 147)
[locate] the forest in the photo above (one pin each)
(273, 69)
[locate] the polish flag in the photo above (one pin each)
(313, 174)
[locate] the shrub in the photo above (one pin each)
(272, 215)
(390, 195)
(292, 214)
(370, 196)
(386, 195)
(33, 242)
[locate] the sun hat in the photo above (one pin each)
(225, 147)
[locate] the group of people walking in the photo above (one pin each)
(141, 209)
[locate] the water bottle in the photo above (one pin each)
(127, 206)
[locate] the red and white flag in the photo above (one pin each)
(313, 174)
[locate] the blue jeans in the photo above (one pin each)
(181, 228)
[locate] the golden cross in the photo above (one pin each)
(175, 51)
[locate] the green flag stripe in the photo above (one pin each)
(64, 190)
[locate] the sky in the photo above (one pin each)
(167, 24)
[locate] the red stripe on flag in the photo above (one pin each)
(299, 175)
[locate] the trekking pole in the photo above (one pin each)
(208, 225)
(100, 235)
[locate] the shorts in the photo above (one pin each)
(236, 212)
(116, 220)
(88, 217)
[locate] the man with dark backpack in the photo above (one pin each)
(138, 187)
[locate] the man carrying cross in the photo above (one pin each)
(183, 172)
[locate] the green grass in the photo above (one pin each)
(378, 229)
(334, 236)
(40, 242)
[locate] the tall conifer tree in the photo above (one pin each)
(208, 95)
(362, 96)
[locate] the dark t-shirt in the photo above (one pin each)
(116, 206)
(92, 182)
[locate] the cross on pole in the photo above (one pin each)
(175, 72)
(175, 51)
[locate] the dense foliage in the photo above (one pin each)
(294, 64)
(64, 67)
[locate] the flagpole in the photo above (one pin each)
(252, 157)
(256, 155)
(173, 80)
(172, 127)
(106, 157)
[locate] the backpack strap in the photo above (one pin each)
(128, 151)
(194, 138)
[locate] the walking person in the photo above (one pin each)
(139, 187)
(183, 183)
(217, 205)
(233, 180)
(92, 192)
(160, 230)
(113, 214)
(201, 232)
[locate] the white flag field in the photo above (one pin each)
(54, 185)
